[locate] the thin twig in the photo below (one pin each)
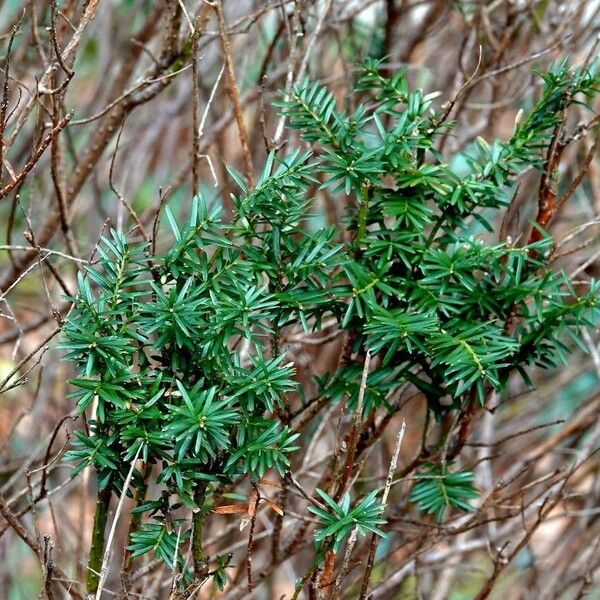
(35, 156)
(113, 528)
(233, 92)
(355, 429)
(388, 484)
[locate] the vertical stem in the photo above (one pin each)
(97, 544)
(200, 563)
(358, 413)
(197, 31)
(252, 511)
(234, 95)
(374, 538)
(136, 519)
(278, 525)
(425, 429)
(363, 212)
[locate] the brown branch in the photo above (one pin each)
(4, 103)
(20, 530)
(388, 484)
(580, 175)
(351, 452)
(35, 156)
(100, 139)
(547, 189)
(234, 95)
(502, 562)
(198, 26)
(252, 509)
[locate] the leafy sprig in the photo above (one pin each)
(179, 355)
(341, 518)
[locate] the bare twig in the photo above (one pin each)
(111, 535)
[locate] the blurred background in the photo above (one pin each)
(105, 104)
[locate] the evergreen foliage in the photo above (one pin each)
(179, 355)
